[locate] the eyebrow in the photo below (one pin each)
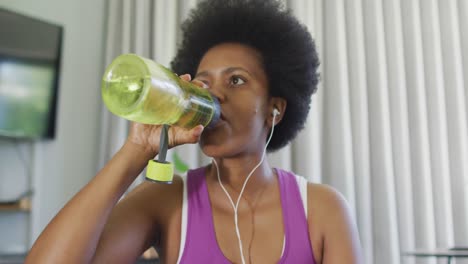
(225, 71)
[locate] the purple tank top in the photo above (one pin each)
(201, 245)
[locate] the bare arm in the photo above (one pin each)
(136, 222)
(88, 222)
(73, 234)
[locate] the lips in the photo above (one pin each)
(221, 120)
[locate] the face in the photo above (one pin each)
(235, 75)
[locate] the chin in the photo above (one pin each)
(210, 149)
(220, 141)
(215, 147)
(217, 136)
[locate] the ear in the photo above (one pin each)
(279, 104)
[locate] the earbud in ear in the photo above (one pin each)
(276, 111)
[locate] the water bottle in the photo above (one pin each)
(141, 90)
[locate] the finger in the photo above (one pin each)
(193, 135)
(200, 84)
(182, 136)
(197, 131)
(186, 77)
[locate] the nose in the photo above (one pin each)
(217, 92)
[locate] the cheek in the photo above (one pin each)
(245, 120)
(248, 125)
(248, 113)
(246, 106)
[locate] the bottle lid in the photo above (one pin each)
(161, 172)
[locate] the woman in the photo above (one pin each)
(262, 66)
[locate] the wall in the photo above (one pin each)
(60, 167)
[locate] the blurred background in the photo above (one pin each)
(388, 127)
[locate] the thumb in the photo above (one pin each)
(196, 133)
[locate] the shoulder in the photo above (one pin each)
(327, 204)
(157, 199)
(325, 196)
(331, 221)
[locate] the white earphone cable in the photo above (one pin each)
(236, 206)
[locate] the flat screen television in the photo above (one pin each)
(30, 52)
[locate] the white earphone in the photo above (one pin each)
(276, 111)
(235, 206)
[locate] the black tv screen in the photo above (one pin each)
(30, 52)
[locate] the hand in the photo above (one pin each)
(147, 136)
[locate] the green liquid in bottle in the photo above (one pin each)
(140, 90)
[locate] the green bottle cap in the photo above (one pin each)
(162, 172)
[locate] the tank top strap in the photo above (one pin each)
(200, 242)
(298, 247)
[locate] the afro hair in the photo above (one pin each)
(288, 52)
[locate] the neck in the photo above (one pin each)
(234, 172)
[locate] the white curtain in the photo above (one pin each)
(388, 126)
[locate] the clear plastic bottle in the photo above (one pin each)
(141, 90)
